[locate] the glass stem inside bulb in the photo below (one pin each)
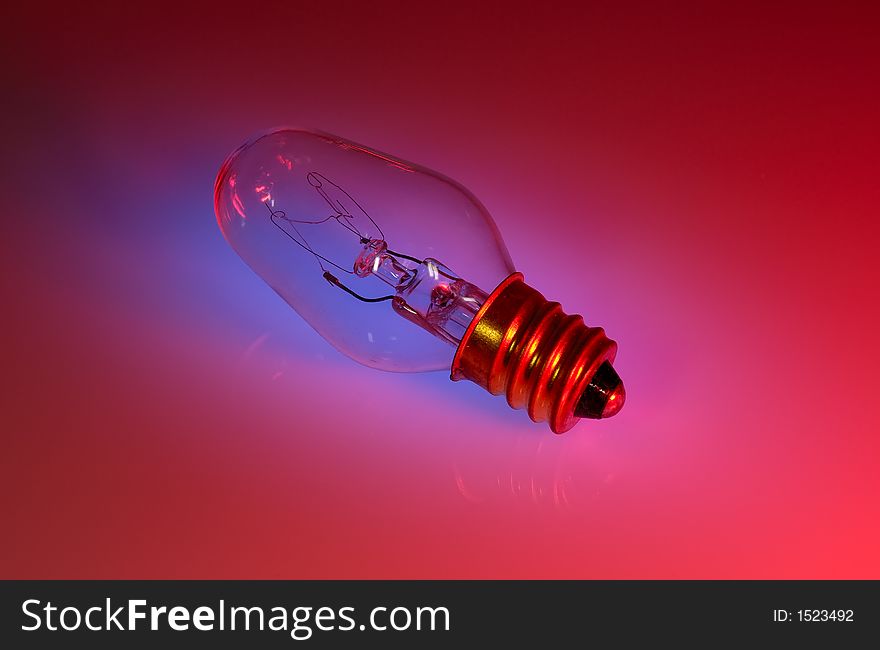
(430, 295)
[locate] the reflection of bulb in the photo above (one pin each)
(338, 230)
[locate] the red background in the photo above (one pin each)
(701, 181)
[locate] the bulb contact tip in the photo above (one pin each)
(604, 395)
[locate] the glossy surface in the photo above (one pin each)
(701, 183)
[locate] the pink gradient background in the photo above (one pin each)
(702, 182)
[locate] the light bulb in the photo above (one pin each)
(403, 269)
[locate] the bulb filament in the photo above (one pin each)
(426, 292)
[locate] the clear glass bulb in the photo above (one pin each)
(402, 269)
(387, 260)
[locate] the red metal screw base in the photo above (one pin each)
(543, 359)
